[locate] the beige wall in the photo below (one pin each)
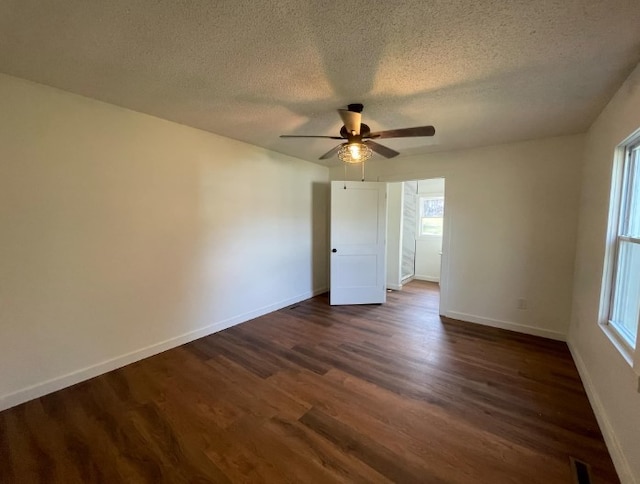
(611, 382)
(122, 235)
(511, 212)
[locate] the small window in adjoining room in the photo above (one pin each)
(431, 216)
(624, 310)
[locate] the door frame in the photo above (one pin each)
(446, 229)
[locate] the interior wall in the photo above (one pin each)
(510, 229)
(611, 382)
(428, 248)
(122, 235)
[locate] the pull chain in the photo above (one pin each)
(345, 175)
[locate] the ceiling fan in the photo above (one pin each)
(358, 139)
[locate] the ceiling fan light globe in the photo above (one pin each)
(354, 153)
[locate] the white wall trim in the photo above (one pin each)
(426, 278)
(49, 386)
(394, 287)
(520, 328)
(619, 460)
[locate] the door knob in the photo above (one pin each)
(334, 250)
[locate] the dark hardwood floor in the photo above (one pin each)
(315, 393)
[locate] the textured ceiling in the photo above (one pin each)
(481, 71)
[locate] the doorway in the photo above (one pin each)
(415, 230)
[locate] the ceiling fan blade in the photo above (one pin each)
(404, 132)
(308, 136)
(330, 153)
(351, 120)
(381, 149)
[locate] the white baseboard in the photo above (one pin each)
(54, 384)
(520, 328)
(617, 456)
(426, 278)
(395, 287)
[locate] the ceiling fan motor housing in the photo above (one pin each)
(364, 131)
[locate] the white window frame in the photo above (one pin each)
(618, 200)
(427, 196)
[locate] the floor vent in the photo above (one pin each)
(581, 471)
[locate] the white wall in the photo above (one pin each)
(122, 235)
(510, 229)
(428, 248)
(394, 231)
(611, 382)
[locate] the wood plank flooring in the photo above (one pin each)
(314, 393)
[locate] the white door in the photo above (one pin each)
(358, 227)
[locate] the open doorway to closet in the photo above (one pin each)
(415, 229)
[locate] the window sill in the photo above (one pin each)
(618, 343)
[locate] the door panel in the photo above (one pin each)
(409, 216)
(358, 227)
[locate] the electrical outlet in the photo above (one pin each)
(522, 303)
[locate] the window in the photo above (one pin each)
(624, 311)
(431, 213)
